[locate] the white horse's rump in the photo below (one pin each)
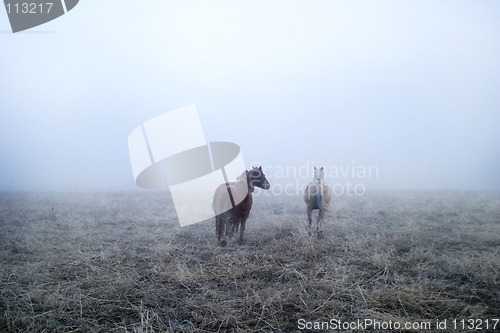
(317, 196)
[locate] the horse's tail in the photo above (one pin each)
(320, 198)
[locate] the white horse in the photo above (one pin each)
(317, 196)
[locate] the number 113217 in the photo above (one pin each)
(29, 8)
(475, 324)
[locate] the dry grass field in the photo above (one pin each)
(119, 262)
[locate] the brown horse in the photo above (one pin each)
(317, 196)
(233, 201)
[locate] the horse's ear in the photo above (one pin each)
(321, 168)
(260, 168)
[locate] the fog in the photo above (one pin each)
(387, 94)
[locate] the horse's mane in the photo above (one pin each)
(243, 176)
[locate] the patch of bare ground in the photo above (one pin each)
(119, 262)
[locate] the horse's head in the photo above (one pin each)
(256, 178)
(318, 174)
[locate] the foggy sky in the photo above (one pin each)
(411, 88)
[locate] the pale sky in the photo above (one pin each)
(410, 87)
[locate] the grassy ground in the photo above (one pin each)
(119, 262)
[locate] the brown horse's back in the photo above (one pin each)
(229, 195)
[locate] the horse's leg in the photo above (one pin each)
(320, 222)
(242, 228)
(233, 227)
(220, 227)
(309, 218)
(237, 226)
(217, 227)
(320, 219)
(223, 231)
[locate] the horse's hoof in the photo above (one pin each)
(223, 243)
